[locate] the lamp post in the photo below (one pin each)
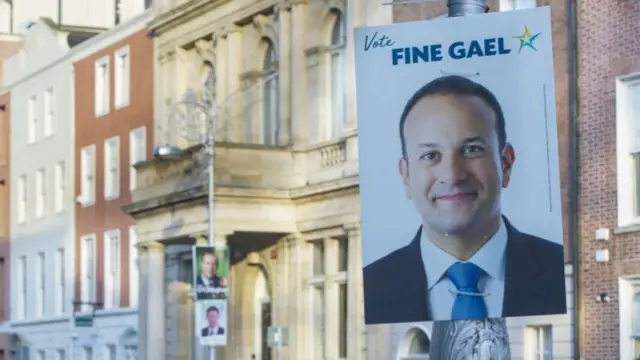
(197, 118)
(469, 339)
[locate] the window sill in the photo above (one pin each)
(627, 229)
(86, 204)
(112, 197)
(101, 114)
(121, 106)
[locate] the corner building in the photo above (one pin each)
(286, 177)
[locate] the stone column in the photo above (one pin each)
(143, 300)
(353, 18)
(233, 98)
(284, 71)
(155, 299)
(222, 127)
(299, 100)
(355, 299)
(331, 302)
(297, 310)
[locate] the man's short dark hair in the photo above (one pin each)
(209, 252)
(459, 86)
(212, 308)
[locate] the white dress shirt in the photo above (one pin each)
(212, 331)
(491, 258)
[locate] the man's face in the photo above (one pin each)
(454, 170)
(208, 265)
(212, 318)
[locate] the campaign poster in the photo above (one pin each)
(211, 322)
(459, 179)
(211, 272)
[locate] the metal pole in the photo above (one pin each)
(211, 154)
(467, 339)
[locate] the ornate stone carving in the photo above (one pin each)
(261, 21)
(284, 5)
(470, 340)
(205, 50)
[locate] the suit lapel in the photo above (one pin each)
(522, 266)
(415, 279)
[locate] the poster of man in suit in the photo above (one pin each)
(210, 269)
(459, 177)
(211, 324)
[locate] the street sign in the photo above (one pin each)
(83, 321)
(277, 336)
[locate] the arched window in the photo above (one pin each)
(269, 116)
(415, 345)
(337, 79)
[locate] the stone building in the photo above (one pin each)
(285, 170)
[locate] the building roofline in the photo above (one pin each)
(91, 46)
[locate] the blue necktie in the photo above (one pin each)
(465, 277)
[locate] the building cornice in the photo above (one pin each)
(182, 13)
(89, 46)
(226, 192)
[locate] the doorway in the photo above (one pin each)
(262, 318)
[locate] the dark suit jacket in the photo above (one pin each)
(395, 286)
(205, 331)
(216, 281)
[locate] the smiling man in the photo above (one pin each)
(466, 261)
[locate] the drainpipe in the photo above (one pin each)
(448, 337)
(59, 12)
(574, 226)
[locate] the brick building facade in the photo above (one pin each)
(608, 67)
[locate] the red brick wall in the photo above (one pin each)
(105, 215)
(414, 12)
(608, 46)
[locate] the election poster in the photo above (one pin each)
(211, 322)
(459, 176)
(211, 272)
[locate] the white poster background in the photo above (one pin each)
(523, 83)
(201, 322)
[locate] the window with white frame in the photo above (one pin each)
(628, 149)
(88, 269)
(60, 186)
(122, 76)
(88, 169)
(32, 120)
(41, 282)
(110, 352)
(21, 311)
(22, 199)
(337, 77)
(60, 282)
(630, 319)
(134, 267)
(102, 86)
(538, 342)
(40, 193)
(506, 5)
(318, 314)
(112, 168)
(112, 266)
(49, 113)
(87, 353)
(137, 152)
(270, 109)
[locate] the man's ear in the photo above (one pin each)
(403, 169)
(508, 158)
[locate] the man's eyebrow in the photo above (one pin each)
(428, 145)
(474, 139)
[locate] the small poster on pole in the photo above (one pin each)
(211, 322)
(211, 272)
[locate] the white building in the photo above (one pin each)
(41, 81)
(16, 15)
